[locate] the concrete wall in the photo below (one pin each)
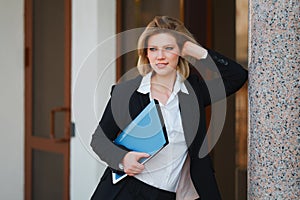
(11, 100)
(93, 73)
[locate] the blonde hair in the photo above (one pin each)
(164, 24)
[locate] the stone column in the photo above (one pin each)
(274, 100)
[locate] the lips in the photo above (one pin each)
(161, 65)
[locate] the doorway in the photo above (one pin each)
(47, 98)
(212, 23)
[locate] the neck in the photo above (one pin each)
(166, 81)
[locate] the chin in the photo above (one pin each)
(163, 73)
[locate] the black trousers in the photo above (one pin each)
(128, 189)
(138, 190)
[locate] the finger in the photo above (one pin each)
(131, 159)
(134, 167)
(139, 167)
(142, 155)
(132, 172)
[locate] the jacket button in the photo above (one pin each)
(224, 62)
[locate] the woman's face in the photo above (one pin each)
(163, 53)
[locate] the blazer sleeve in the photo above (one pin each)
(102, 138)
(228, 77)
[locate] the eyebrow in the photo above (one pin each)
(162, 46)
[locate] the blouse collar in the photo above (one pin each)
(179, 85)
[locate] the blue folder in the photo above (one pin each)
(146, 133)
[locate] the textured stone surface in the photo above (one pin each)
(274, 99)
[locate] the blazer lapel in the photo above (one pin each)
(190, 113)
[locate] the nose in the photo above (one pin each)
(160, 54)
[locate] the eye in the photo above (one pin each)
(169, 48)
(152, 49)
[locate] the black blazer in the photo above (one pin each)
(126, 103)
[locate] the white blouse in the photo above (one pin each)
(164, 169)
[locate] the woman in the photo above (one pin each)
(176, 172)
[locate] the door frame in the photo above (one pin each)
(199, 9)
(46, 144)
(119, 29)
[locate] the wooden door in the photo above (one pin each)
(47, 99)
